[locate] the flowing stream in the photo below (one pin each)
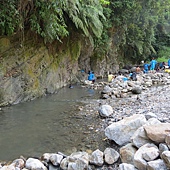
(47, 124)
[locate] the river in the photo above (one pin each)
(48, 124)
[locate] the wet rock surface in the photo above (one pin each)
(152, 102)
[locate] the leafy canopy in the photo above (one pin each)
(138, 20)
(138, 28)
(50, 19)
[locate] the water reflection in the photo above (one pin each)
(44, 125)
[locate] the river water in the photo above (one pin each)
(48, 124)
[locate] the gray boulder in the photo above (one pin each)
(122, 131)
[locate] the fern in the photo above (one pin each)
(47, 20)
(86, 16)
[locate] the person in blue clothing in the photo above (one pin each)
(169, 63)
(133, 76)
(153, 64)
(91, 76)
(145, 68)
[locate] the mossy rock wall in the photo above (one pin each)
(30, 69)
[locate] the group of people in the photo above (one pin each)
(154, 65)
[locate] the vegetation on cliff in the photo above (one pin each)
(138, 28)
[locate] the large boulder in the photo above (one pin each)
(139, 162)
(157, 132)
(122, 131)
(140, 138)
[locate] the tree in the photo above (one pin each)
(136, 23)
(138, 20)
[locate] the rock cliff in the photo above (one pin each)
(30, 69)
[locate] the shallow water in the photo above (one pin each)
(48, 124)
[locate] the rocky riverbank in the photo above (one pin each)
(134, 122)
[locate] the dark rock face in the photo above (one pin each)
(127, 67)
(32, 69)
(123, 71)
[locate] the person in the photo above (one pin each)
(157, 67)
(169, 63)
(133, 76)
(145, 68)
(162, 66)
(70, 86)
(110, 77)
(153, 64)
(91, 76)
(138, 70)
(130, 75)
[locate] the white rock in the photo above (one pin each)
(97, 158)
(110, 156)
(125, 166)
(56, 159)
(105, 110)
(140, 138)
(122, 131)
(139, 162)
(156, 165)
(150, 154)
(19, 163)
(33, 164)
(166, 158)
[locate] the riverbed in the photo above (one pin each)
(69, 121)
(48, 124)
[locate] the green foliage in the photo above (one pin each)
(9, 17)
(74, 49)
(139, 28)
(86, 15)
(162, 59)
(101, 44)
(104, 2)
(164, 52)
(138, 20)
(47, 20)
